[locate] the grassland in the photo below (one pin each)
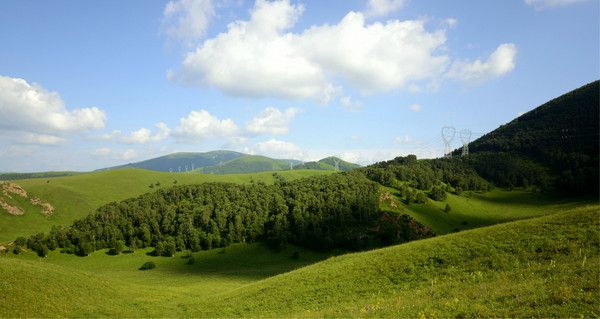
(76, 196)
(477, 209)
(544, 267)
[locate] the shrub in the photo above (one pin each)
(148, 265)
(17, 250)
(447, 209)
(438, 193)
(42, 251)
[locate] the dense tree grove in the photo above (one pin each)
(340, 210)
(408, 172)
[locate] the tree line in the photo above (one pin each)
(337, 211)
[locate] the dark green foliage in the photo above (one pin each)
(319, 212)
(322, 212)
(447, 209)
(42, 251)
(21, 241)
(424, 174)
(148, 265)
(190, 261)
(296, 255)
(438, 193)
(553, 146)
(17, 250)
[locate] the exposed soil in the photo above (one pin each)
(9, 188)
(13, 210)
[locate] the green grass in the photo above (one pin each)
(543, 267)
(76, 196)
(249, 164)
(473, 209)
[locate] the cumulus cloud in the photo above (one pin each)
(415, 107)
(542, 4)
(500, 62)
(201, 125)
(276, 148)
(350, 104)
(141, 136)
(380, 8)
(260, 57)
(42, 114)
(125, 155)
(187, 20)
(43, 139)
(272, 121)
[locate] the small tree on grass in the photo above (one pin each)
(148, 265)
(42, 251)
(447, 209)
(17, 250)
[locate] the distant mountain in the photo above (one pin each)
(229, 162)
(328, 164)
(556, 144)
(249, 164)
(179, 161)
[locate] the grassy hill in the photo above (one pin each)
(76, 196)
(328, 164)
(556, 145)
(542, 267)
(177, 162)
(249, 164)
(477, 209)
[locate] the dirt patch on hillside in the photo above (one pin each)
(47, 209)
(9, 189)
(13, 210)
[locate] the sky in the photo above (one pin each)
(91, 84)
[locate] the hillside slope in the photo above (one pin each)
(555, 145)
(542, 267)
(329, 164)
(181, 162)
(249, 164)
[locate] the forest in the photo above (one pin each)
(337, 211)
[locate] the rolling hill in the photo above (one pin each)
(249, 164)
(555, 146)
(181, 162)
(541, 267)
(328, 163)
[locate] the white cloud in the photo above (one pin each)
(542, 4)
(200, 125)
(272, 121)
(260, 57)
(43, 139)
(29, 108)
(380, 8)
(415, 107)
(348, 103)
(187, 20)
(276, 148)
(125, 155)
(144, 135)
(102, 151)
(500, 62)
(141, 136)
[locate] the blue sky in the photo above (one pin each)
(85, 84)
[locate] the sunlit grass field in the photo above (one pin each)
(547, 266)
(476, 209)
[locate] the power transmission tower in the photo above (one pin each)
(448, 133)
(465, 138)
